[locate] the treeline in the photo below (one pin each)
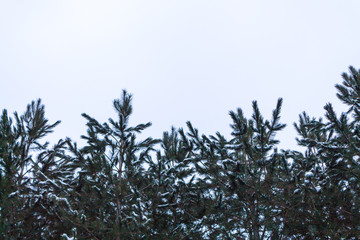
(185, 185)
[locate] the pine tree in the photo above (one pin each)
(33, 176)
(172, 194)
(110, 180)
(326, 177)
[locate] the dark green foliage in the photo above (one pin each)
(186, 185)
(111, 170)
(34, 177)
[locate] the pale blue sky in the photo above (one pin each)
(182, 60)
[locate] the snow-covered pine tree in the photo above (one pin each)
(255, 174)
(111, 176)
(326, 185)
(34, 177)
(173, 195)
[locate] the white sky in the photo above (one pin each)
(183, 60)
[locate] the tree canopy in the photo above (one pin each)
(184, 185)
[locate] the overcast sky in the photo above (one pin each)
(182, 60)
